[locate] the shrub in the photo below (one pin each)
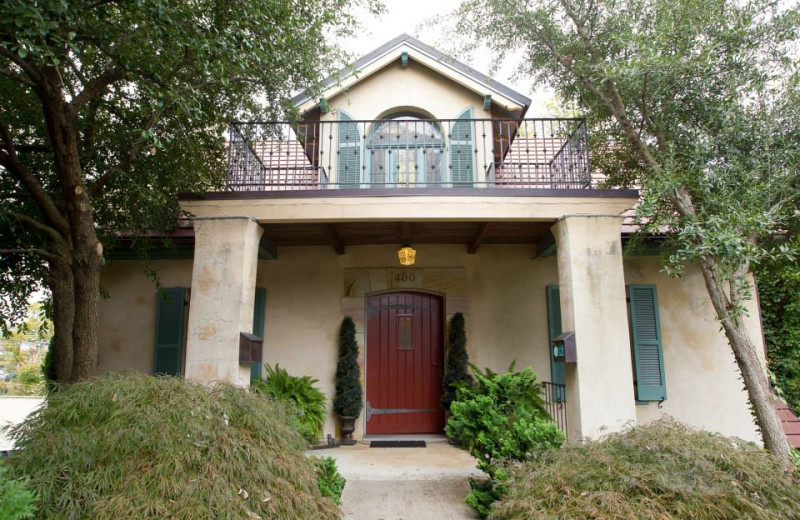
(501, 418)
(347, 402)
(299, 392)
(16, 500)
(142, 447)
(662, 471)
(331, 482)
(456, 371)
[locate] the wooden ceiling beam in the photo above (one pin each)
(478, 238)
(405, 232)
(334, 238)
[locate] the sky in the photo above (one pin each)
(414, 17)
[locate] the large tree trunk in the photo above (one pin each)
(750, 366)
(62, 288)
(86, 274)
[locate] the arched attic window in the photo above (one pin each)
(405, 150)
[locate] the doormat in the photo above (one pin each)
(397, 444)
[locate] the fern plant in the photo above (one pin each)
(299, 392)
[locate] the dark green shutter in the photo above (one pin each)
(557, 373)
(258, 326)
(648, 358)
(349, 161)
(462, 155)
(168, 355)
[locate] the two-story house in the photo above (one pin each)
(415, 187)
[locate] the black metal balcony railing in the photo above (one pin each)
(409, 152)
(555, 398)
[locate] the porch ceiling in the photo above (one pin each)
(341, 234)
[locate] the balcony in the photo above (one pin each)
(409, 153)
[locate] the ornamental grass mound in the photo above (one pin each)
(662, 471)
(135, 446)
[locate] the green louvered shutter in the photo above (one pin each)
(462, 155)
(349, 162)
(258, 326)
(168, 353)
(557, 374)
(648, 358)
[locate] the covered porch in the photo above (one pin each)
(491, 257)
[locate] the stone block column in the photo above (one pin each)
(222, 297)
(600, 395)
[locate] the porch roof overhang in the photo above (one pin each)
(342, 218)
(420, 52)
(382, 205)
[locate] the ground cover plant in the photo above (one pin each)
(16, 500)
(499, 419)
(331, 482)
(662, 471)
(300, 393)
(140, 447)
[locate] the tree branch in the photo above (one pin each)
(16, 77)
(95, 88)
(127, 161)
(27, 68)
(8, 159)
(44, 228)
(41, 252)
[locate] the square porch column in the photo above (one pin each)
(600, 395)
(222, 297)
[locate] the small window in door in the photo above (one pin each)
(405, 331)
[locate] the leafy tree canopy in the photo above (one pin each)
(698, 104)
(109, 108)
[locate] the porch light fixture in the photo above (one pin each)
(407, 255)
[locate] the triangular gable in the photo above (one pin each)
(426, 55)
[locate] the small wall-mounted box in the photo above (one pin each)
(564, 348)
(250, 347)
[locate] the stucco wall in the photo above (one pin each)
(704, 388)
(504, 305)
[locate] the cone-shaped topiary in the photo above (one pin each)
(456, 370)
(347, 402)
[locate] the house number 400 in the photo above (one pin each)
(405, 277)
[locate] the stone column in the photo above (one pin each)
(222, 296)
(600, 396)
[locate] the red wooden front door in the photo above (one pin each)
(405, 352)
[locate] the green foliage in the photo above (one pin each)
(49, 369)
(500, 419)
(16, 500)
(134, 446)
(662, 471)
(779, 296)
(301, 394)
(331, 483)
(347, 401)
(456, 365)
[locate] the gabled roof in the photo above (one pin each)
(457, 71)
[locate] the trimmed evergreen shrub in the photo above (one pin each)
(140, 447)
(301, 394)
(347, 402)
(456, 372)
(500, 419)
(661, 471)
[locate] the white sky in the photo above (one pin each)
(413, 17)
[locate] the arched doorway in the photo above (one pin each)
(405, 362)
(405, 150)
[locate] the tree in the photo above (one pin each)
(699, 99)
(347, 401)
(456, 371)
(108, 109)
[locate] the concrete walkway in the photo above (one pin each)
(405, 483)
